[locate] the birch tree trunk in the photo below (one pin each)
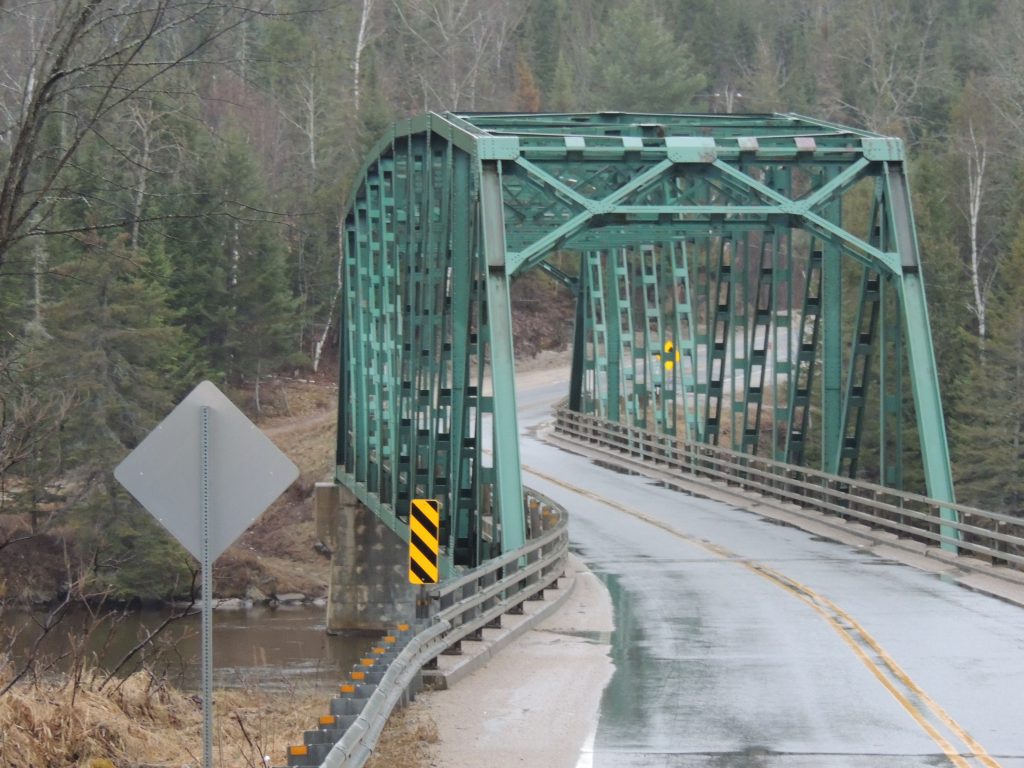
(977, 163)
(362, 40)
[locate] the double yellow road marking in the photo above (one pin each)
(931, 717)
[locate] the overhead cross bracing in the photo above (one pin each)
(751, 281)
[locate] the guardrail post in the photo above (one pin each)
(487, 580)
(534, 578)
(517, 608)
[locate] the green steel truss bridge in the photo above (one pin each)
(749, 281)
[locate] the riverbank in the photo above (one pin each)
(141, 722)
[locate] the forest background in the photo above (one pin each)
(173, 172)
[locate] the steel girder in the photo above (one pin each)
(713, 253)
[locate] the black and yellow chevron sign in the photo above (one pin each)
(424, 525)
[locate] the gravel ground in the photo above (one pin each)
(536, 702)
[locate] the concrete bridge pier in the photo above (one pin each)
(369, 589)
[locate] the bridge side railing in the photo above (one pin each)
(459, 609)
(997, 538)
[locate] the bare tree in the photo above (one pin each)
(69, 67)
(982, 146)
(464, 44)
(887, 45)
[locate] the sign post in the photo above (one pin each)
(206, 492)
(206, 564)
(424, 544)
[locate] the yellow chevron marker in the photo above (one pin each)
(671, 356)
(424, 534)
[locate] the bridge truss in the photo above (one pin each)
(752, 281)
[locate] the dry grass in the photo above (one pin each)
(406, 740)
(144, 722)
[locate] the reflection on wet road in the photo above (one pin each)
(742, 643)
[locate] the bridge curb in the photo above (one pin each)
(467, 664)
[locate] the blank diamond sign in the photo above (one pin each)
(206, 473)
(246, 472)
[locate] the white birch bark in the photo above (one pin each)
(977, 163)
(362, 40)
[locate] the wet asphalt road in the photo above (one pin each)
(741, 642)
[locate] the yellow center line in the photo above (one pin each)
(849, 636)
(980, 752)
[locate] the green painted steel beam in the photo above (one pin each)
(509, 484)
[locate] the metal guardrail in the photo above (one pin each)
(995, 537)
(460, 608)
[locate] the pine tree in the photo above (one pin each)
(990, 465)
(562, 96)
(115, 349)
(230, 281)
(640, 67)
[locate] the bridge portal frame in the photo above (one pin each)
(450, 207)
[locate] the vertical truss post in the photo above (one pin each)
(605, 342)
(486, 542)
(386, 338)
(605, 338)
(782, 353)
(760, 336)
(890, 375)
(621, 360)
(342, 451)
(736, 344)
(719, 341)
(462, 288)
(781, 317)
(862, 347)
(658, 366)
(508, 475)
(411, 268)
(684, 379)
(801, 380)
(440, 401)
(579, 340)
(924, 379)
(832, 353)
(359, 282)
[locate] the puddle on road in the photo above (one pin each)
(628, 712)
(614, 468)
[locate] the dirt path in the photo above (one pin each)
(283, 426)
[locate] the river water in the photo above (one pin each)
(270, 647)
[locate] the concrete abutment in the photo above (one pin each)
(369, 589)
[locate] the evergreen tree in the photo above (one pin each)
(639, 67)
(990, 466)
(231, 285)
(114, 348)
(562, 96)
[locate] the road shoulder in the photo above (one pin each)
(534, 703)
